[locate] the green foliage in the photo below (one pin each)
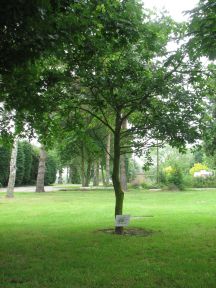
(27, 165)
(172, 177)
(5, 153)
(51, 170)
(74, 174)
(34, 166)
(202, 28)
(27, 150)
(209, 133)
(199, 182)
(132, 168)
(28, 29)
(20, 164)
(198, 167)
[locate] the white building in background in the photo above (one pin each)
(203, 174)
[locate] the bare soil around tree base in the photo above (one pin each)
(129, 232)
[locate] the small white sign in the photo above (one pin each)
(122, 220)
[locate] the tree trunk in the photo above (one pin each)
(102, 175)
(60, 178)
(12, 176)
(70, 174)
(41, 171)
(157, 180)
(123, 174)
(108, 159)
(119, 194)
(96, 173)
(82, 167)
(88, 174)
(68, 169)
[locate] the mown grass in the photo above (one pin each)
(50, 240)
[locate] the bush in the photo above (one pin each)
(151, 185)
(199, 182)
(198, 167)
(172, 177)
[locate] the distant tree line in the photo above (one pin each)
(27, 165)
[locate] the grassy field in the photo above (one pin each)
(51, 240)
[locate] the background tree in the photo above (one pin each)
(27, 150)
(51, 169)
(20, 166)
(41, 170)
(13, 168)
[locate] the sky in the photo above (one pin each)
(174, 7)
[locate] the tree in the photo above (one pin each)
(41, 170)
(120, 68)
(108, 159)
(13, 167)
(157, 91)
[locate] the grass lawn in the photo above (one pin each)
(50, 241)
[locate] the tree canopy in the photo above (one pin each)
(203, 29)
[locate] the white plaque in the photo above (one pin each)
(122, 220)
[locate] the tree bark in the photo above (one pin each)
(108, 159)
(12, 176)
(88, 174)
(41, 171)
(119, 194)
(96, 173)
(123, 174)
(157, 164)
(68, 169)
(82, 167)
(102, 174)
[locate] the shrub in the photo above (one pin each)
(198, 167)
(199, 182)
(172, 177)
